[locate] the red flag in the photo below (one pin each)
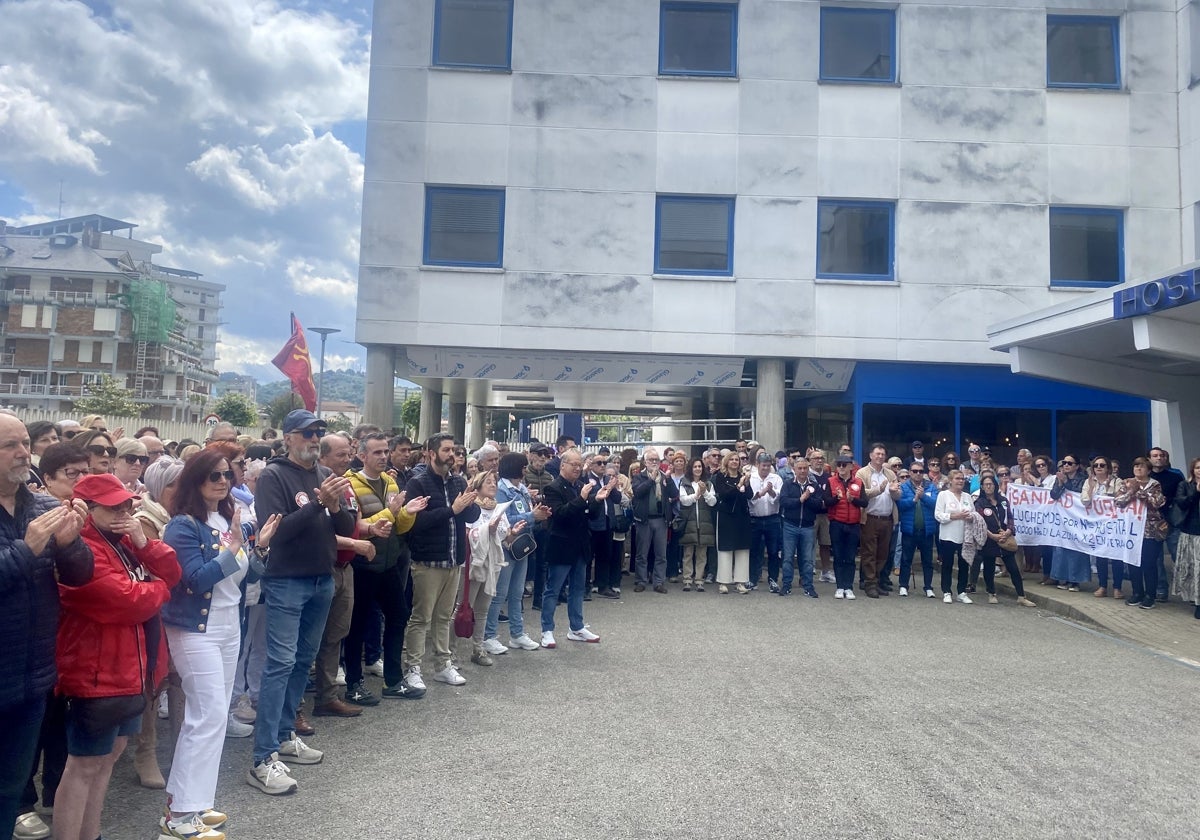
(296, 365)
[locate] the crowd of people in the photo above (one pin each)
(215, 582)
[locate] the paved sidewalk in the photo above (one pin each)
(1169, 627)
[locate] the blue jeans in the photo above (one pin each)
(556, 575)
(509, 590)
(296, 612)
(765, 533)
(805, 540)
(909, 546)
(843, 540)
(22, 725)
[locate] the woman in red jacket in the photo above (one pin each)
(110, 648)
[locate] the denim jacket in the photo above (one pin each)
(204, 562)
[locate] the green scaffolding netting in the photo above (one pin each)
(153, 310)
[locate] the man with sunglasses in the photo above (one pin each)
(918, 528)
(297, 586)
(1070, 567)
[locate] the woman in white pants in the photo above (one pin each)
(733, 491)
(204, 634)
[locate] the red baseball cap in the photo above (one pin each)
(104, 490)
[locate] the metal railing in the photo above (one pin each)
(70, 298)
(34, 390)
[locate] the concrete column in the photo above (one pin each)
(768, 406)
(381, 385)
(431, 413)
(476, 426)
(1175, 426)
(458, 421)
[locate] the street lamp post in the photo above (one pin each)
(325, 332)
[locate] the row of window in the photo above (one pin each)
(701, 39)
(693, 235)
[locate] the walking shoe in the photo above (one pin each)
(710, 578)
(849, 594)
(375, 669)
(929, 593)
(772, 585)
(1025, 602)
(1100, 592)
(359, 696)
(340, 679)
(609, 592)
(750, 587)
(338, 708)
(450, 676)
(722, 589)
(743, 589)
(234, 728)
(993, 600)
(482, 657)
(964, 599)
(617, 589)
(528, 588)
(1161, 597)
(1074, 587)
(502, 618)
(660, 588)
(687, 586)
(947, 598)
(548, 639)
(903, 591)
(413, 679)
(785, 591)
(840, 594)
(639, 587)
(187, 827)
(809, 592)
(301, 725)
(523, 642)
(298, 752)
(1134, 600)
(31, 827)
(828, 577)
(243, 709)
(213, 819)
(402, 691)
(874, 592)
(271, 777)
(494, 646)
(1147, 604)
(582, 635)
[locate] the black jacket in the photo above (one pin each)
(306, 542)
(793, 510)
(1187, 500)
(644, 502)
(569, 539)
(429, 539)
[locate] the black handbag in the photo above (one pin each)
(522, 546)
(96, 715)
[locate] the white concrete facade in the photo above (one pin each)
(583, 133)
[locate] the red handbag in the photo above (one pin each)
(464, 616)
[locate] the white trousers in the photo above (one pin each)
(733, 566)
(206, 663)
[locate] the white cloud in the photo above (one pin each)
(328, 280)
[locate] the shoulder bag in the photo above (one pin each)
(522, 545)
(464, 616)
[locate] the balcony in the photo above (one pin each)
(29, 389)
(66, 298)
(8, 360)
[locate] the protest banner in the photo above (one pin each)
(1101, 529)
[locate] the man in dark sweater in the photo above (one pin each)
(1169, 479)
(298, 589)
(39, 538)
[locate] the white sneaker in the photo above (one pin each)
(963, 599)
(236, 729)
(840, 594)
(187, 827)
(929, 593)
(413, 678)
(903, 591)
(849, 594)
(163, 713)
(548, 640)
(523, 642)
(243, 709)
(375, 668)
(617, 589)
(582, 635)
(828, 577)
(271, 776)
(340, 679)
(298, 752)
(494, 646)
(450, 676)
(947, 598)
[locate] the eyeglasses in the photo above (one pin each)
(916, 470)
(136, 459)
(71, 475)
(1099, 466)
(216, 477)
(97, 449)
(309, 434)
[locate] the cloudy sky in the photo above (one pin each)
(230, 131)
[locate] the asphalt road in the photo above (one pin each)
(701, 715)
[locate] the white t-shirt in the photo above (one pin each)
(227, 592)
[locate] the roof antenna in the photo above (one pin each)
(60, 185)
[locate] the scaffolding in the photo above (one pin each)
(153, 318)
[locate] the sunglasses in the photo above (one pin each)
(1003, 474)
(916, 471)
(97, 449)
(217, 477)
(1100, 466)
(136, 459)
(1068, 463)
(70, 433)
(309, 434)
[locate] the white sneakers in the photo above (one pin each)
(849, 594)
(413, 678)
(236, 729)
(947, 598)
(583, 635)
(450, 676)
(903, 591)
(963, 599)
(375, 668)
(523, 642)
(298, 752)
(340, 679)
(494, 646)
(548, 640)
(828, 577)
(929, 593)
(840, 594)
(271, 777)
(243, 709)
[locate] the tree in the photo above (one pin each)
(410, 414)
(106, 396)
(338, 423)
(237, 409)
(279, 407)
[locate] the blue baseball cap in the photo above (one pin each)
(301, 419)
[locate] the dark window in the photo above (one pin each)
(897, 426)
(473, 33)
(1083, 51)
(858, 45)
(464, 226)
(693, 235)
(200, 315)
(698, 39)
(1005, 431)
(855, 239)
(1086, 247)
(1121, 435)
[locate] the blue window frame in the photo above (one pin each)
(473, 33)
(693, 234)
(464, 226)
(1083, 52)
(856, 240)
(1087, 247)
(858, 45)
(697, 39)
